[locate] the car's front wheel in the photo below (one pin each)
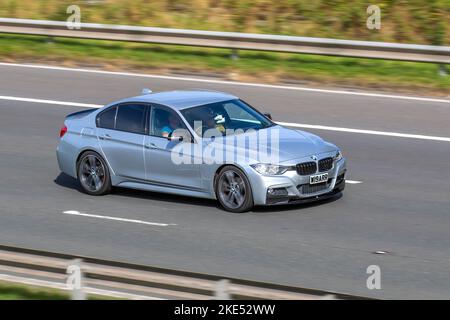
(233, 190)
(93, 174)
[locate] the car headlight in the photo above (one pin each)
(269, 169)
(338, 155)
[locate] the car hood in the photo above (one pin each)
(292, 144)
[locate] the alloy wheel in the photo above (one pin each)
(92, 173)
(232, 190)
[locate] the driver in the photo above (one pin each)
(173, 124)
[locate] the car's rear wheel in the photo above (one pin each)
(93, 174)
(233, 190)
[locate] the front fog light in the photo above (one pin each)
(277, 192)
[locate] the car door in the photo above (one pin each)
(160, 152)
(121, 132)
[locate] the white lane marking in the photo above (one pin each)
(77, 213)
(353, 181)
(61, 103)
(234, 83)
(288, 124)
(371, 132)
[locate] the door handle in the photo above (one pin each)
(105, 137)
(150, 146)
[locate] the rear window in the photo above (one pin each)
(106, 118)
(131, 118)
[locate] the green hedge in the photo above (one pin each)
(412, 21)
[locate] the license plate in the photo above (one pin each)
(319, 178)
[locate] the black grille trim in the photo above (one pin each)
(325, 164)
(313, 188)
(306, 168)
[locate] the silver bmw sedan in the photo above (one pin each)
(198, 143)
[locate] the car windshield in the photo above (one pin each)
(225, 117)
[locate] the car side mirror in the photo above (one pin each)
(268, 115)
(175, 138)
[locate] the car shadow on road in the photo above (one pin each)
(165, 197)
(293, 207)
(170, 198)
(69, 182)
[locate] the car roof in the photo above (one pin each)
(182, 99)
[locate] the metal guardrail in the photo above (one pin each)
(231, 40)
(131, 281)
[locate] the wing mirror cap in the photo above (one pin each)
(175, 138)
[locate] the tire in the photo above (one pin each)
(93, 174)
(233, 190)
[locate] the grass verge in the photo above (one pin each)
(10, 291)
(13, 291)
(266, 67)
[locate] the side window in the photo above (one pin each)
(131, 118)
(107, 118)
(165, 122)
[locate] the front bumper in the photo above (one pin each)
(295, 188)
(339, 187)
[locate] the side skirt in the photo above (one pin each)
(165, 189)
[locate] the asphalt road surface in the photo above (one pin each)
(402, 206)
